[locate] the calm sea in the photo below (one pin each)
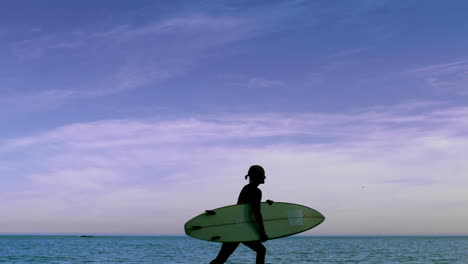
(180, 249)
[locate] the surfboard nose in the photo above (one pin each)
(321, 215)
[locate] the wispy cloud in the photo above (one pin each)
(262, 83)
(200, 24)
(347, 53)
(242, 81)
(37, 100)
(155, 52)
(452, 75)
(83, 179)
(402, 160)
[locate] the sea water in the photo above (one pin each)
(186, 250)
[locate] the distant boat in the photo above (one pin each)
(86, 236)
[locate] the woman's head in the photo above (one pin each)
(256, 174)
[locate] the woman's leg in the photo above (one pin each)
(224, 253)
(258, 247)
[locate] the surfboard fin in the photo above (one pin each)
(210, 212)
(215, 238)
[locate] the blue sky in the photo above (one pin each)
(131, 117)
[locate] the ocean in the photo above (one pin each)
(186, 250)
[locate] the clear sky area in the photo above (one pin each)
(131, 117)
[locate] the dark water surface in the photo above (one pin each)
(181, 249)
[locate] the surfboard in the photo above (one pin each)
(236, 223)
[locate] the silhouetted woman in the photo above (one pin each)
(250, 194)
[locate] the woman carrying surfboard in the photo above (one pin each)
(252, 195)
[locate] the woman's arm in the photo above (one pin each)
(258, 217)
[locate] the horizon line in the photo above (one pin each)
(183, 235)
